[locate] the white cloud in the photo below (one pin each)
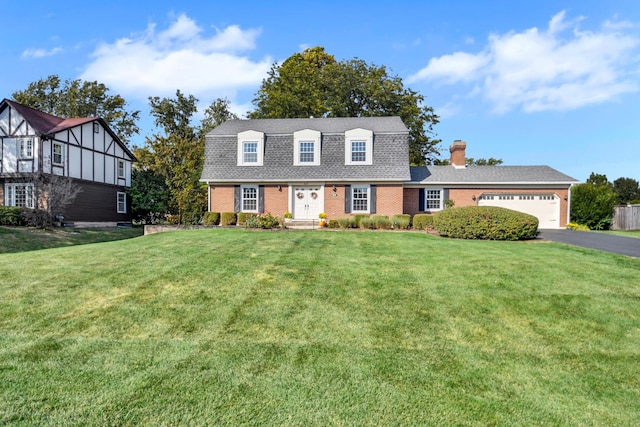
(156, 63)
(562, 68)
(40, 53)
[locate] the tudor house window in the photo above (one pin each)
(250, 148)
(19, 195)
(26, 148)
(306, 148)
(121, 200)
(358, 148)
(121, 171)
(57, 154)
(432, 199)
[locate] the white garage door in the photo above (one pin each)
(546, 207)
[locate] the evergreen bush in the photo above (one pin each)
(12, 215)
(400, 222)
(228, 218)
(422, 221)
(381, 222)
(486, 223)
(211, 218)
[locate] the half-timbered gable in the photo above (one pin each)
(84, 149)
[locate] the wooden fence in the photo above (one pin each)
(626, 218)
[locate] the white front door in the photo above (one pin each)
(307, 202)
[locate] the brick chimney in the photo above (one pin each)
(457, 150)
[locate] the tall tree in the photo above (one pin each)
(176, 153)
(627, 189)
(313, 83)
(78, 98)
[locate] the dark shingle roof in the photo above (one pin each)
(488, 175)
(390, 151)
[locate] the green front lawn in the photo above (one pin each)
(236, 327)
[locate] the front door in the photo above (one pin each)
(307, 202)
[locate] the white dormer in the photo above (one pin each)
(250, 148)
(306, 148)
(358, 147)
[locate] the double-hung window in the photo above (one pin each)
(26, 148)
(306, 151)
(121, 202)
(57, 154)
(432, 199)
(358, 147)
(249, 199)
(121, 171)
(250, 148)
(360, 198)
(19, 195)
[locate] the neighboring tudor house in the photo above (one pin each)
(345, 166)
(84, 149)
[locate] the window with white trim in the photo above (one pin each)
(26, 148)
(19, 195)
(57, 154)
(432, 199)
(121, 200)
(306, 148)
(121, 170)
(250, 148)
(358, 147)
(96, 127)
(249, 202)
(360, 198)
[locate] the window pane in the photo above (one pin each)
(250, 199)
(122, 203)
(360, 199)
(432, 199)
(358, 151)
(306, 152)
(57, 154)
(250, 150)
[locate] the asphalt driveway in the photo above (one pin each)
(605, 242)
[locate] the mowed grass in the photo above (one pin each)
(234, 327)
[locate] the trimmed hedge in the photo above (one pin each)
(211, 218)
(485, 223)
(422, 221)
(228, 218)
(381, 222)
(243, 217)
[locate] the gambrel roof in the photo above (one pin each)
(390, 151)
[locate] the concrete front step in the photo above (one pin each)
(303, 224)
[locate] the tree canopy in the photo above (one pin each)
(313, 84)
(592, 203)
(78, 98)
(627, 189)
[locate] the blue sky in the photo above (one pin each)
(550, 83)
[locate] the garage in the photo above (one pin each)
(544, 206)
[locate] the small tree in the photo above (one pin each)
(52, 194)
(627, 189)
(592, 203)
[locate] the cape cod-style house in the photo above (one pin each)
(346, 166)
(84, 149)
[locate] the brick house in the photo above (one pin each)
(345, 166)
(83, 149)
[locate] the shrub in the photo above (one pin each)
(265, 221)
(423, 221)
(173, 219)
(381, 222)
(211, 218)
(334, 223)
(486, 222)
(357, 219)
(593, 205)
(579, 227)
(287, 215)
(243, 217)
(364, 222)
(228, 218)
(11, 215)
(401, 222)
(344, 222)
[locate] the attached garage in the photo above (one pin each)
(544, 206)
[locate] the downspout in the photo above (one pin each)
(569, 204)
(208, 197)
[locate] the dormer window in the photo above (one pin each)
(358, 148)
(250, 148)
(306, 150)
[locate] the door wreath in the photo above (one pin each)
(314, 195)
(299, 195)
